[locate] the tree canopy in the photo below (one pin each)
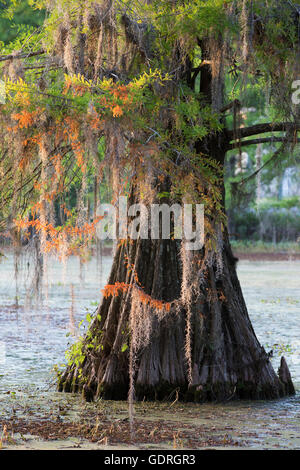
(130, 72)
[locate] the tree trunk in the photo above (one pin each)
(204, 347)
(209, 353)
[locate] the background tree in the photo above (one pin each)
(149, 78)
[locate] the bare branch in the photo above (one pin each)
(263, 140)
(24, 55)
(264, 128)
(233, 104)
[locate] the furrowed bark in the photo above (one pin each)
(227, 360)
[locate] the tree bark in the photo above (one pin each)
(204, 348)
(227, 360)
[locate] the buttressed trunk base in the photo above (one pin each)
(202, 350)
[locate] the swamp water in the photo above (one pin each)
(33, 339)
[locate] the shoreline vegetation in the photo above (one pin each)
(266, 251)
(242, 249)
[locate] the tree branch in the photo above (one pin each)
(263, 140)
(263, 128)
(25, 55)
(233, 104)
(274, 156)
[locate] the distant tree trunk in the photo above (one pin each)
(222, 358)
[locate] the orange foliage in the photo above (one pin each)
(115, 289)
(118, 102)
(117, 111)
(72, 134)
(121, 287)
(24, 162)
(56, 237)
(25, 118)
(153, 303)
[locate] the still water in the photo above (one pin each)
(33, 339)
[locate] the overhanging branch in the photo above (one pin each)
(262, 140)
(264, 128)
